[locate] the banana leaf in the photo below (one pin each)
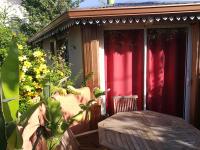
(10, 89)
(3, 138)
(53, 115)
(3, 141)
(10, 82)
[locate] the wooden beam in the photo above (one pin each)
(194, 100)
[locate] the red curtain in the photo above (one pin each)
(124, 64)
(166, 73)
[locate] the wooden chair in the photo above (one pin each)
(125, 103)
(69, 141)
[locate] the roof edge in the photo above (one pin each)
(74, 14)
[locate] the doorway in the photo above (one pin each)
(124, 58)
(165, 67)
(166, 53)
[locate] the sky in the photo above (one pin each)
(12, 7)
(102, 3)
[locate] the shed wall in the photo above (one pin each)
(75, 53)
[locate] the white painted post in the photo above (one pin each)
(102, 71)
(145, 68)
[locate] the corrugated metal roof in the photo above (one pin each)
(119, 3)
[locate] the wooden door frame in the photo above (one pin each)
(188, 49)
(194, 97)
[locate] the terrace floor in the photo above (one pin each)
(90, 141)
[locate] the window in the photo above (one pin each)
(62, 45)
(52, 47)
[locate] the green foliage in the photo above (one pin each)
(53, 115)
(7, 20)
(10, 88)
(98, 92)
(3, 139)
(41, 12)
(10, 82)
(60, 71)
(10, 127)
(55, 124)
(5, 38)
(23, 120)
(87, 78)
(34, 74)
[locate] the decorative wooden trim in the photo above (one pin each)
(194, 101)
(130, 14)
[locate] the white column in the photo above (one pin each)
(145, 68)
(102, 71)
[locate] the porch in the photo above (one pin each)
(141, 130)
(149, 56)
(138, 62)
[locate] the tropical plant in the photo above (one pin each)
(55, 125)
(9, 92)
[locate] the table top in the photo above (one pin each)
(149, 130)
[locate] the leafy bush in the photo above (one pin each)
(59, 69)
(35, 73)
(5, 39)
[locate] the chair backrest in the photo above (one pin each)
(125, 103)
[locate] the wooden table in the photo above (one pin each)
(147, 130)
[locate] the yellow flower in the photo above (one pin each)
(28, 88)
(22, 76)
(42, 60)
(24, 68)
(46, 71)
(37, 71)
(27, 64)
(37, 86)
(38, 76)
(34, 83)
(42, 67)
(37, 54)
(30, 78)
(22, 58)
(61, 73)
(30, 94)
(19, 46)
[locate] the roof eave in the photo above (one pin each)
(134, 10)
(118, 11)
